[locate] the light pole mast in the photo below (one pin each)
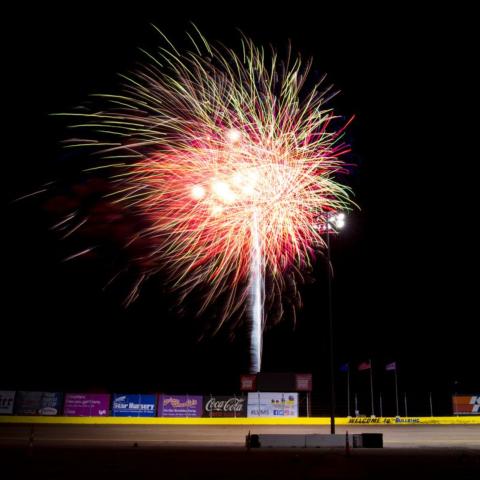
(330, 333)
(334, 222)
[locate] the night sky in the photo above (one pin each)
(405, 286)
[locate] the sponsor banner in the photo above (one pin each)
(248, 383)
(389, 420)
(466, 404)
(303, 382)
(86, 404)
(7, 398)
(136, 405)
(272, 404)
(180, 405)
(225, 406)
(38, 403)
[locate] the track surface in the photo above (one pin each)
(80, 452)
(451, 436)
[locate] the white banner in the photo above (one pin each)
(6, 402)
(264, 404)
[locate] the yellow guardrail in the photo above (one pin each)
(306, 421)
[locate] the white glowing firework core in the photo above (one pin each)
(223, 192)
(233, 135)
(198, 192)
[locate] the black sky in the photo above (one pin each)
(405, 268)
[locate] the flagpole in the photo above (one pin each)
(348, 390)
(396, 391)
(405, 401)
(381, 405)
(371, 388)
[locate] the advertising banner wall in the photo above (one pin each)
(86, 404)
(180, 405)
(466, 404)
(273, 404)
(133, 405)
(225, 406)
(38, 403)
(7, 398)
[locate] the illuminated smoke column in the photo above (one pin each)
(230, 161)
(257, 293)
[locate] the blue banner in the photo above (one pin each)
(133, 405)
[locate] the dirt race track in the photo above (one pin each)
(460, 436)
(217, 452)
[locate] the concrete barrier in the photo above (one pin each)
(316, 440)
(364, 440)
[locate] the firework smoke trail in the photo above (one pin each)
(257, 293)
(200, 143)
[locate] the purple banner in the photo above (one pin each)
(180, 405)
(86, 404)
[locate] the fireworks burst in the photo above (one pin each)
(231, 160)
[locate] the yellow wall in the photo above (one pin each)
(241, 421)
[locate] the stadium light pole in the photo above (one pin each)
(331, 223)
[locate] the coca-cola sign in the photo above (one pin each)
(224, 406)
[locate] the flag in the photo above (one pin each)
(365, 366)
(345, 367)
(391, 366)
